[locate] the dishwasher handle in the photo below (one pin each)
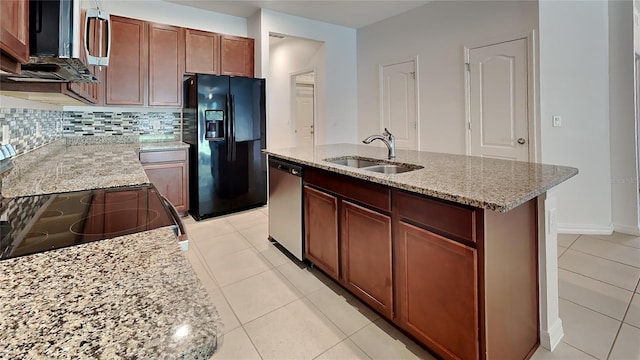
(285, 166)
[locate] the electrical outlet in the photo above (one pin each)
(557, 121)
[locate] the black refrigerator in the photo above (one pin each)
(224, 124)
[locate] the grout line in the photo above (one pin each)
(615, 339)
(602, 237)
(582, 351)
(590, 309)
(592, 278)
(615, 261)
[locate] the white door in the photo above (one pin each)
(499, 106)
(399, 103)
(304, 114)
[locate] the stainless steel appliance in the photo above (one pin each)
(225, 126)
(33, 224)
(285, 206)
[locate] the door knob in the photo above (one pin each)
(521, 141)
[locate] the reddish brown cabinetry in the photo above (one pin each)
(14, 34)
(166, 55)
(321, 230)
(202, 52)
(125, 76)
(236, 56)
(168, 171)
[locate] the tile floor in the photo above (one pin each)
(276, 308)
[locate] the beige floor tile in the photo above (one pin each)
(627, 345)
(593, 294)
(587, 330)
(565, 240)
(209, 227)
(238, 266)
(304, 279)
(622, 239)
(562, 352)
(611, 272)
(296, 331)
(221, 246)
(229, 319)
(345, 350)
(561, 251)
(260, 294)
(633, 314)
(236, 345)
(248, 219)
(349, 314)
(257, 235)
(274, 255)
(608, 250)
(380, 340)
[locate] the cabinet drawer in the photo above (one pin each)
(149, 157)
(374, 195)
(437, 215)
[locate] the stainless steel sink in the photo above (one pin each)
(375, 165)
(353, 161)
(392, 168)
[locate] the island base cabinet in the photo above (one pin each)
(366, 256)
(169, 172)
(436, 289)
(321, 230)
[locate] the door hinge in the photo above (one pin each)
(468, 66)
(413, 74)
(469, 125)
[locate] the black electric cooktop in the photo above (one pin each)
(33, 224)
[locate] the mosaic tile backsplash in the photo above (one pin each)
(29, 128)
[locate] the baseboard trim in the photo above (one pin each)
(585, 229)
(626, 229)
(549, 340)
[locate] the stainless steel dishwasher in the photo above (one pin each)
(285, 206)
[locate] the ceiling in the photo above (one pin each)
(349, 13)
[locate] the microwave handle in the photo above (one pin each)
(101, 59)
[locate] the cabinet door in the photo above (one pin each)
(321, 230)
(236, 57)
(127, 70)
(202, 52)
(436, 285)
(87, 91)
(166, 56)
(171, 181)
(14, 33)
(366, 256)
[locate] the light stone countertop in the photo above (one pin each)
(59, 167)
(134, 296)
(498, 185)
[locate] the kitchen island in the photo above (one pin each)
(459, 253)
(132, 296)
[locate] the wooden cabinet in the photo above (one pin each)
(14, 34)
(321, 230)
(236, 57)
(168, 170)
(365, 238)
(202, 52)
(126, 74)
(166, 55)
(437, 291)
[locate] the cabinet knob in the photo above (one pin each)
(521, 141)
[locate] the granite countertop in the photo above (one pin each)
(498, 185)
(64, 166)
(133, 296)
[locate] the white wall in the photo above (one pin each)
(288, 56)
(336, 90)
(622, 123)
(437, 33)
(173, 14)
(574, 83)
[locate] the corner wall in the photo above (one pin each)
(574, 83)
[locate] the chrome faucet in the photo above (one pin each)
(388, 139)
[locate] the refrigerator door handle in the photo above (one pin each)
(228, 120)
(233, 127)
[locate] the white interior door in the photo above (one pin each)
(399, 103)
(499, 106)
(304, 114)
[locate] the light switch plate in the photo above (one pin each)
(557, 121)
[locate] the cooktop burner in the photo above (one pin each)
(33, 224)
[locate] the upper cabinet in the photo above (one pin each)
(14, 34)
(166, 54)
(236, 56)
(125, 76)
(202, 52)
